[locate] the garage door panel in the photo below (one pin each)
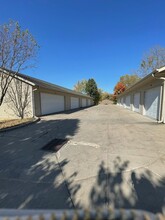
(121, 101)
(74, 102)
(89, 102)
(84, 104)
(127, 101)
(136, 101)
(151, 102)
(51, 103)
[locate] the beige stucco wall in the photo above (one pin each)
(6, 109)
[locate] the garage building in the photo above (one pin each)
(147, 96)
(46, 98)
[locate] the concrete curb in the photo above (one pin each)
(36, 119)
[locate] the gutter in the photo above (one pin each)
(162, 103)
(16, 76)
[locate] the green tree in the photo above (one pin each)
(17, 50)
(129, 80)
(105, 95)
(92, 90)
(80, 86)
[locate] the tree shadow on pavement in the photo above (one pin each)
(120, 188)
(31, 178)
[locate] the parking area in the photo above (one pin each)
(114, 157)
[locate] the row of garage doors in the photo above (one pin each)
(51, 103)
(150, 102)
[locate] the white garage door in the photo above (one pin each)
(89, 102)
(51, 103)
(151, 102)
(136, 101)
(127, 101)
(121, 101)
(84, 104)
(74, 102)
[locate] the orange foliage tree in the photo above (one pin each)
(118, 89)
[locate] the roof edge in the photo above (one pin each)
(30, 79)
(159, 70)
(17, 76)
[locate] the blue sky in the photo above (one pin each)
(82, 39)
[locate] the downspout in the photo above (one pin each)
(33, 101)
(162, 101)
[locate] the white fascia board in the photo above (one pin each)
(24, 80)
(20, 78)
(161, 69)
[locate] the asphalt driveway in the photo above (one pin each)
(114, 157)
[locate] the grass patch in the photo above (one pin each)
(8, 123)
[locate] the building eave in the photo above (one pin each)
(42, 84)
(16, 76)
(143, 80)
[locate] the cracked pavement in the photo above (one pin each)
(115, 158)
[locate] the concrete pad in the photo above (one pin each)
(86, 196)
(83, 160)
(128, 163)
(148, 189)
(115, 157)
(158, 166)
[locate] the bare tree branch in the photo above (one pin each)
(152, 60)
(17, 50)
(18, 97)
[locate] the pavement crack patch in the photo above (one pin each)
(87, 178)
(83, 143)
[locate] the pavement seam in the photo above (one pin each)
(154, 172)
(63, 175)
(112, 172)
(154, 161)
(78, 180)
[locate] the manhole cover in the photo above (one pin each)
(55, 145)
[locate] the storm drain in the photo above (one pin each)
(55, 145)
